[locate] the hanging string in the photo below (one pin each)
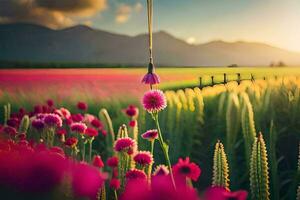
(150, 15)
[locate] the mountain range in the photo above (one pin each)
(82, 44)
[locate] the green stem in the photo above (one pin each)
(116, 195)
(90, 150)
(162, 144)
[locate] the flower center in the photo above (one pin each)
(185, 170)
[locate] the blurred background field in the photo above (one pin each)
(33, 85)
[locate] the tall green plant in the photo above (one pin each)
(248, 125)
(232, 122)
(259, 175)
(24, 125)
(220, 167)
(7, 112)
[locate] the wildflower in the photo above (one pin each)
(185, 168)
(150, 78)
(82, 106)
(161, 170)
(53, 120)
(143, 158)
(86, 181)
(50, 102)
(104, 132)
(11, 131)
(38, 124)
(65, 112)
(91, 132)
(37, 109)
(112, 162)
(114, 183)
(150, 135)
(131, 111)
(154, 101)
(13, 122)
(57, 150)
(161, 188)
(97, 162)
(71, 142)
(126, 144)
(134, 174)
(220, 193)
(77, 117)
(132, 123)
(96, 123)
(78, 127)
(61, 132)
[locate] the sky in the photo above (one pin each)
(275, 22)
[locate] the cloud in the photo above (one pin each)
(125, 11)
(51, 13)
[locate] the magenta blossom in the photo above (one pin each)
(150, 135)
(135, 174)
(78, 127)
(161, 170)
(143, 158)
(154, 101)
(126, 144)
(150, 78)
(53, 120)
(186, 169)
(38, 124)
(219, 193)
(161, 188)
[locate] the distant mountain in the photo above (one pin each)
(27, 42)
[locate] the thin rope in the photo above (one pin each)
(150, 16)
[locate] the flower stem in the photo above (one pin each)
(164, 148)
(90, 150)
(151, 165)
(116, 195)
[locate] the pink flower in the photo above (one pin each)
(131, 111)
(11, 131)
(71, 142)
(57, 150)
(91, 132)
(143, 158)
(154, 101)
(82, 106)
(161, 188)
(161, 170)
(78, 127)
(185, 168)
(114, 183)
(150, 135)
(125, 145)
(219, 193)
(112, 161)
(77, 117)
(134, 174)
(63, 113)
(13, 122)
(132, 123)
(61, 132)
(150, 78)
(53, 120)
(96, 123)
(86, 181)
(38, 124)
(97, 162)
(38, 109)
(50, 102)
